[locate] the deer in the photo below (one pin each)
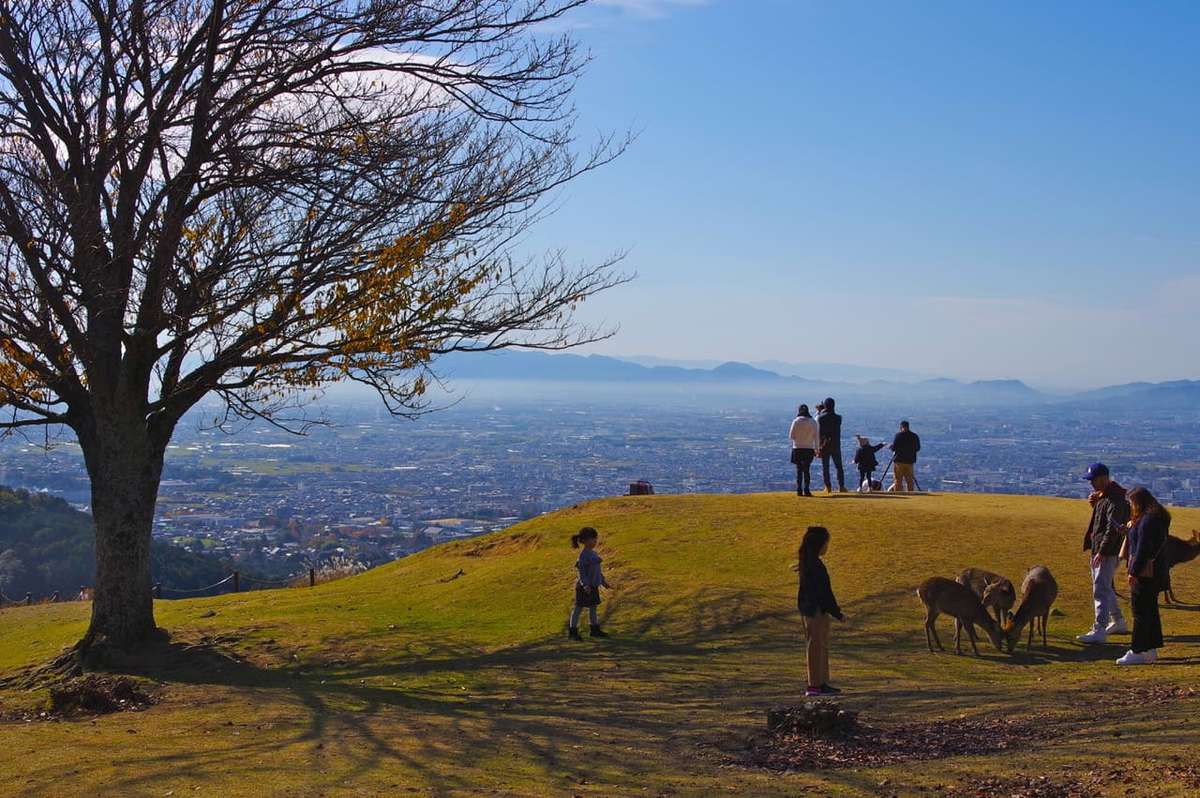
(1176, 551)
(1038, 592)
(994, 591)
(939, 595)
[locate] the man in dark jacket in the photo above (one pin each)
(904, 448)
(1102, 541)
(830, 424)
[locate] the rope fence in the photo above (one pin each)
(234, 580)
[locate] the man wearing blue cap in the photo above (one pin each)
(1102, 541)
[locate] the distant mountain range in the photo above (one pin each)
(1173, 395)
(522, 365)
(517, 364)
(834, 372)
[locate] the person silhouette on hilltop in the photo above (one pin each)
(806, 440)
(904, 448)
(830, 424)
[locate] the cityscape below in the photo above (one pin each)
(371, 488)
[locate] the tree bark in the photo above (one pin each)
(124, 461)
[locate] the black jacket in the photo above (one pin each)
(906, 444)
(865, 458)
(1146, 539)
(1106, 527)
(830, 424)
(816, 593)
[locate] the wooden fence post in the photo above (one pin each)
(312, 577)
(237, 578)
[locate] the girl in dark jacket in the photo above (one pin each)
(817, 605)
(867, 462)
(1148, 527)
(587, 584)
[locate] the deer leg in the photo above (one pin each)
(1029, 643)
(931, 630)
(1044, 617)
(971, 634)
(936, 638)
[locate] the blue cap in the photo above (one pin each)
(1096, 470)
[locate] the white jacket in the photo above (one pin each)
(805, 434)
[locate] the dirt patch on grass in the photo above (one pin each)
(86, 696)
(871, 746)
(1140, 781)
(99, 694)
(1024, 787)
(1152, 695)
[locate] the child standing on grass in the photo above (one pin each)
(817, 605)
(587, 586)
(867, 462)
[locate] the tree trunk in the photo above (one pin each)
(124, 461)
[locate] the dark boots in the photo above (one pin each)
(598, 632)
(573, 633)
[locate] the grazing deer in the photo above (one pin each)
(939, 595)
(1038, 592)
(1176, 551)
(994, 591)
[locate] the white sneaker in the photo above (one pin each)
(1130, 658)
(1151, 656)
(1094, 636)
(1117, 627)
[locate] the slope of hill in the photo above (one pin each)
(447, 673)
(46, 545)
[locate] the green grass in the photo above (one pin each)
(405, 679)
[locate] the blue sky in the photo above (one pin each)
(979, 190)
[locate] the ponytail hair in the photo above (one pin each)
(584, 535)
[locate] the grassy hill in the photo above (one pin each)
(447, 673)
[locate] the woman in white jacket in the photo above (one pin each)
(806, 437)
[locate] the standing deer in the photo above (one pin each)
(939, 595)
(1176, 551)
(994, 591)
(1038, 592)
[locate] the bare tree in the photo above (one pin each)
(254, 198)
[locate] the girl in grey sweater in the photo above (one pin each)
(587, 586)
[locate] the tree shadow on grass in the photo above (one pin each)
(536, 701)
